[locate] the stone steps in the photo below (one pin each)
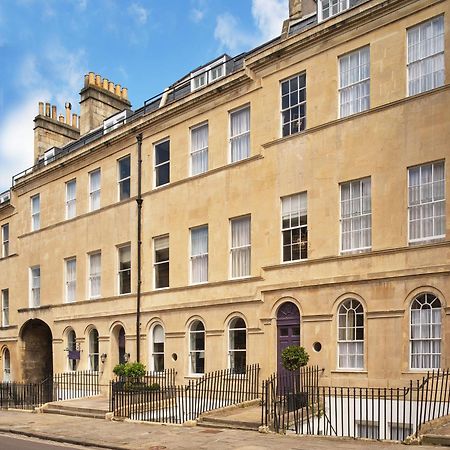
(77, 411)
(219, 422)
(436, 439)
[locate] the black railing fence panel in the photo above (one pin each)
(61, 386)
(177, 404)
(302, 406)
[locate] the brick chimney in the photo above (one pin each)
(51, 131)
(297, 10)
(100, 99)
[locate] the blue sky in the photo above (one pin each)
(46, 47)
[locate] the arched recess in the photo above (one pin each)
(37, 351)
(118, 345)
(6, 357)
(288, 329)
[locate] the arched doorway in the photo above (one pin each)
(117, 347)
(37, 354)
(288, 329)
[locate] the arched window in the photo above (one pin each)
(72, 350)
(157, 350)
(197, 348)
(93, 350)
(6, 366)
(351, 335)
(425, 334)
(237, 345)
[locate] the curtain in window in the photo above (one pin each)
(95, 185)
(355, 82)
(238, 345)
(426, 56)
(425, 332)
(199, 258)
(199, 149)
(240, 134)
(240, 247)
(71, 193)
(36, 287)
(158, 348)
(197, 347)
(95, 267)
(426, 202)
(93, 350)
(71, 277)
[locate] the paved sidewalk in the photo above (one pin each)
(137, 436)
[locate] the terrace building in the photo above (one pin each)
(292, 194)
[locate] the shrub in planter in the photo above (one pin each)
(294, 357)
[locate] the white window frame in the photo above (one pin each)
(240, 248)
(94, 275)
(199, 256)
(433, 299)
(350, 219)
(350, 331)
(6, 378)
(193, 352)
(93, 355)
(342, 6)
(301, 227)
(95, 194)
(120, 181)
(35, 213)
(70, 284)
(71, 202)
(240, 135)
(71, 367)
(356, 84)
(204, 152)
(156, 264)
(35, 288)
(206, 74)
(121, 271)
(153, 353)
(5, 307)
(421, 204)
(232, 351)
(5, 240)
(423, 59)
(156, 166)
(301, 120)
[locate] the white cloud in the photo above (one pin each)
(268, 17)
(139, 13)
(197, 15)
(16, 138)
(230, 35)
(55, 76)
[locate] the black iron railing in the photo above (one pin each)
(374, 413)
(77, 384)
(178, 404)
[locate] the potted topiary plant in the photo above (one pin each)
(293, 358)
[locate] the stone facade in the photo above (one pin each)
(382, 143)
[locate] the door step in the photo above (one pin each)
(217, 422)
(77, 411)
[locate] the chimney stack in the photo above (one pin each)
(297, 10)
(100, 99)
(53, 130)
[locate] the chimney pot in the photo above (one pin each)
(98, 80)
(111, 87)
(61, 118)
(105, 84)
(47, 109)
(125, 93)
(91, 78)
(117, 90)
(68, 108)
(74, 120)
(54, 112)
(41, 108)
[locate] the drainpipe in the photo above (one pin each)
(139, 249)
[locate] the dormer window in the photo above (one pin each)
(208, 74)
(330, 8)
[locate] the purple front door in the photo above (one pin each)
(288, 330)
